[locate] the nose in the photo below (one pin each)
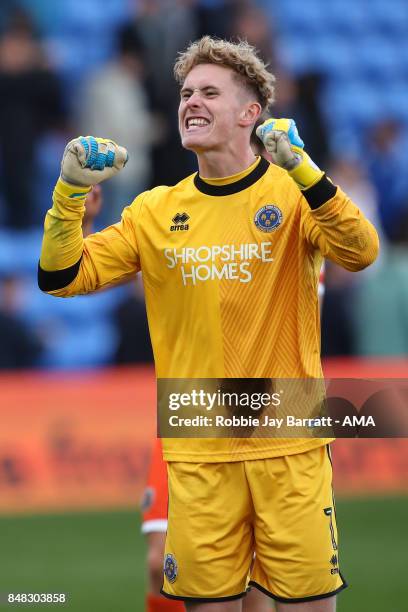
(194, 99)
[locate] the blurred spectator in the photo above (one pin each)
(380, 313)
(134, 340)
(19, 346)
(381, 307)
(214, 17)
(129, 317)
(337, 313)
(31, 103)
(93, 206)
(251, 23)
(299, 98)
(114, 104)
(387, 167)
(343, 287)
(363, 313)
(352, 177)
(296, 97)
(80, 35)
(164, 27)
(7, 7)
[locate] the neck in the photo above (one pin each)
(217, 164)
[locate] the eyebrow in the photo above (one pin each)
(205, 88)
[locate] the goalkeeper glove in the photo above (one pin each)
(88, 161)
(281, 139)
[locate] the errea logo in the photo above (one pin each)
(180, 222)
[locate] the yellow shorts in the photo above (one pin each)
(281, 509)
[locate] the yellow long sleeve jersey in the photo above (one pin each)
(230, 269)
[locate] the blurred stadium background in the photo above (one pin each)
(76, 381)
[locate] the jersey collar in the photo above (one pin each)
(235, 187)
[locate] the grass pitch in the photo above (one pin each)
(98, 558)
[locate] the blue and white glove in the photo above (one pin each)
(281, 139)
(88, 160)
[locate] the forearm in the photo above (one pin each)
(63, 240)
(338, 227)
(332, 223)
(69, 265)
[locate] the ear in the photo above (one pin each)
(250, 114)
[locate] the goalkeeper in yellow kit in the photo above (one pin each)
(231, 293)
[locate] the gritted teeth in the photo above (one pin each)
(200, 121)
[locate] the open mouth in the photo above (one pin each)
(194, 124)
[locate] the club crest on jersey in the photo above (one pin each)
(170, 567)
(180, 222)
(268, 218)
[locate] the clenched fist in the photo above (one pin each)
(281, 139)
(88, 160)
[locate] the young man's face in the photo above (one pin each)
(211, 105)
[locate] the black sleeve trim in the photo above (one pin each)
(51, 281)
(320, 193)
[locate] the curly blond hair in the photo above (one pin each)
(241, 57)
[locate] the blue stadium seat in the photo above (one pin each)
(378, 57)
(332, 53)
(19, 251)
(356, 103)
(403, 57)
(78, 332)
(395, 99)
(388, 17)
(345, 141)
(349, 20)
(296, 54)
(82, 35)
(79, 346)
(298, 18)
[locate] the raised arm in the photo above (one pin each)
(69, 264)
(331, 222)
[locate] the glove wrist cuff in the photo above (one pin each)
(306, 174)
(67, 190)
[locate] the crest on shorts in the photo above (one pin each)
(170, 567)
(268, 218)
(147, 499)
